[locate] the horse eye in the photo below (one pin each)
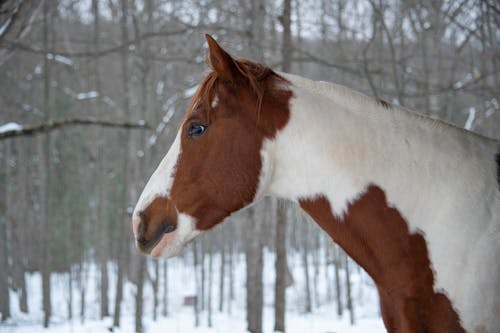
(196, 129)
(170, 228)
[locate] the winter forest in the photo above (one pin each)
(91, 94)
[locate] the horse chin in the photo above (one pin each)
(172, 244)
(166, 252)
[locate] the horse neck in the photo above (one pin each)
(338, 145)
(388, 186)
(339, 142)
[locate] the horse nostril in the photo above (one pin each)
(142, 241)
(170, 228)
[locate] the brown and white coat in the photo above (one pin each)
(414, 201)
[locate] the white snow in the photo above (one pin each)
(4, 27)
(63, 60)
(180, 318)
(159, 88)
(188, 93)
(470, 118)
(38, 69)
(87, 95)
(59, 58)
(8, 127)
(108, 101)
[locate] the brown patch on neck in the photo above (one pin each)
(376, 236)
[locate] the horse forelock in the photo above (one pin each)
(251, 75)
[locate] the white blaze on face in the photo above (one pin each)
(160, 184)
(162, 179)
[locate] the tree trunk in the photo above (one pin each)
(154, 284)
(124, 137)
(70, 295)
(286, 51)
(348, 290)
(81, 280)
(338, 288)
(255, 221)
(196, 307)
(281, 209)
(231, 272)
(210, 282)
(139, 295)
(328, 261)
(19, 194)
(254, 267)
(4, 250)
(165, 288)
(119, 292)
(316, 264)
(45, 174)
(222, 273)
(305, 263)
(280, 267)
(202, 274)
(102, 249)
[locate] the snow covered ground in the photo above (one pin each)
(180, 318)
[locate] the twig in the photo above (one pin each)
(52, 125)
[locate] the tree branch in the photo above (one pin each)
(53, 125)
(16, 18)
(13, 45)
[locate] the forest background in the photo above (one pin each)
(91, 93)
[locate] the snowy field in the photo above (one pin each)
(180, 318)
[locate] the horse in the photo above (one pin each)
(414, 201)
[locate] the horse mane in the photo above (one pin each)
(253, 74)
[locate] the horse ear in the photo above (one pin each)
(220, 60)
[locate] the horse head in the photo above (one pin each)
(216, 164)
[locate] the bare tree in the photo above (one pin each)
(349, 303)
(222, 270)
(16, 19)
(4, 250)
(165, 288)
(45, 167)
(281, 267)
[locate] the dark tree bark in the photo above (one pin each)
(4, 249)
(45, 173)
(139, 301)
(338, 288)
(165, 288)
(103, 236)
(286, 51)
(231, 271)
(16, 19)
(155, 281)
(305, 263)
(222, 272)
(349, 304)
(210, 282)
(196, 306)
(280, 267)
(254, 267)
(202, 274)
(255, 223)
(124, 137)
(82, 278)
